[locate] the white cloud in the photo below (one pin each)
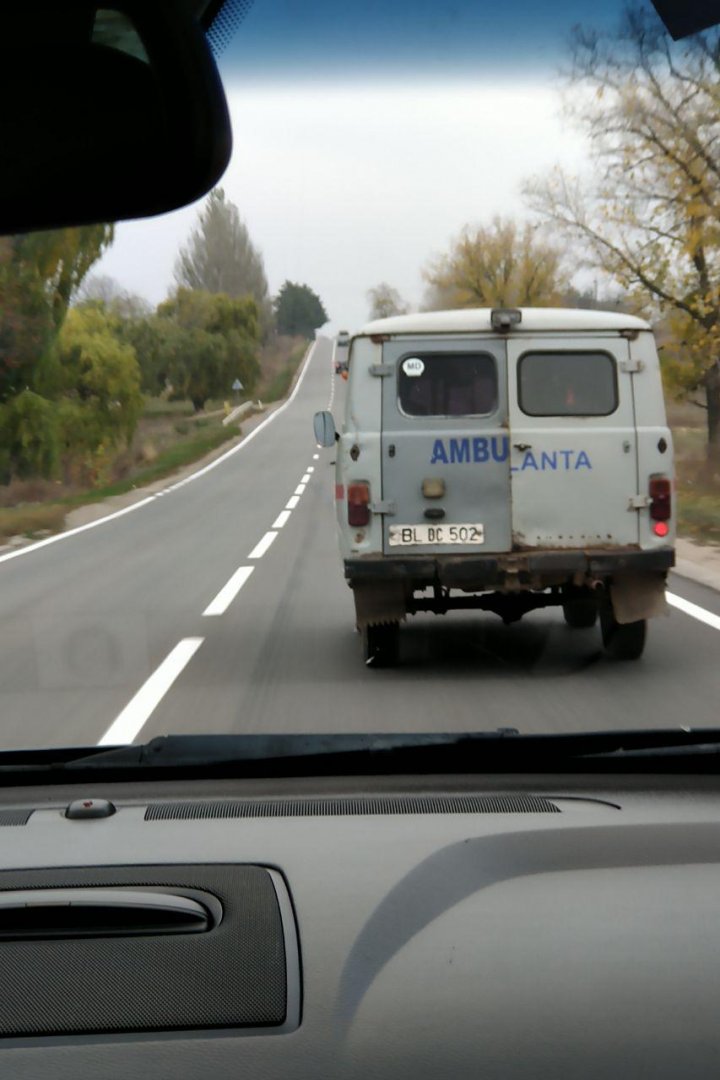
(344, 186)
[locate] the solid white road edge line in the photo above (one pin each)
(292, 502)
(174, 487)
(130, 721)
(229, 591)
(694, 610)
(261, 547)
(281, 519)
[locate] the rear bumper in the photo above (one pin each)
(532, 569)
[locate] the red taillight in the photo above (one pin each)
(358, 504)
(661, 528)
(660, 492)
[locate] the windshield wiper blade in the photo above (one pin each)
(373, 754)
(171, 750)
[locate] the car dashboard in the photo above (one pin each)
(495, 926)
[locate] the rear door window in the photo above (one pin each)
(567, 384)
(447, 384)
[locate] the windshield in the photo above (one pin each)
(508, 519)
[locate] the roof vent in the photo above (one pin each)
(505, 318)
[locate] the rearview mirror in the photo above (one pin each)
(106, 112)
(324, 427)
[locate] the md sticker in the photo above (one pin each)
(413, 366)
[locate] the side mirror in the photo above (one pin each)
(324, 428)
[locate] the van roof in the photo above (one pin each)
(468, 320)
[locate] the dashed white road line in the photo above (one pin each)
(694, 610)
(129, 722)
(311, 468)
(261, 547)
(229, 591)
(132, 718)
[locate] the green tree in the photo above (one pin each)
(220, 257)
(384, 301)
(206, 342)
(503, 264)
(39, 274)
(298, 310)
(27, 328)
(101, 374)
(648, 213)
(61, 259)
(29, 436)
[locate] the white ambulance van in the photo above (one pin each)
(506, 460)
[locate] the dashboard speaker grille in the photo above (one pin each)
(14, 817)
(232, 976)
(352, 806)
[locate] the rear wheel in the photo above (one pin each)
(381, 644)
(622, 641)
(580, 612)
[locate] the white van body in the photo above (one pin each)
(507, 460)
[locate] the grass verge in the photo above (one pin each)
(699, 517)
(698, 487)
(277, 387)
(31, 519)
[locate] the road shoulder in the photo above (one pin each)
(698, 562)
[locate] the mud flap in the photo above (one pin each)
(378, 604)
(635, 598)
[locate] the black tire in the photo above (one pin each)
(581, 612)
(622, 641)
(381, 644)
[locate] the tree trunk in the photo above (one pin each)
(712, 399)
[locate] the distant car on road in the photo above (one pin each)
(342, 341)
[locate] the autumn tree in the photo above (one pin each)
(103, 290)
(100, 381)
(384, 301)
(648, 213)
(503, 264)
(220, 257)
(39, 275)
(60, 259)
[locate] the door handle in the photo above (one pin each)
(522, 446)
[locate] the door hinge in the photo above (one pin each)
(631, 367)
(382, 370)
(383, 506)
(639, 502)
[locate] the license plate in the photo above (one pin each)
(408, 535)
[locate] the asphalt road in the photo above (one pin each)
(103, 634)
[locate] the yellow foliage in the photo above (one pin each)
(503, 264)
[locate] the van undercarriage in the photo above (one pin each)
(623, 587)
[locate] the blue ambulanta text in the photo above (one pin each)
(480, 449)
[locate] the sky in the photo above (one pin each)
(366, 137)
